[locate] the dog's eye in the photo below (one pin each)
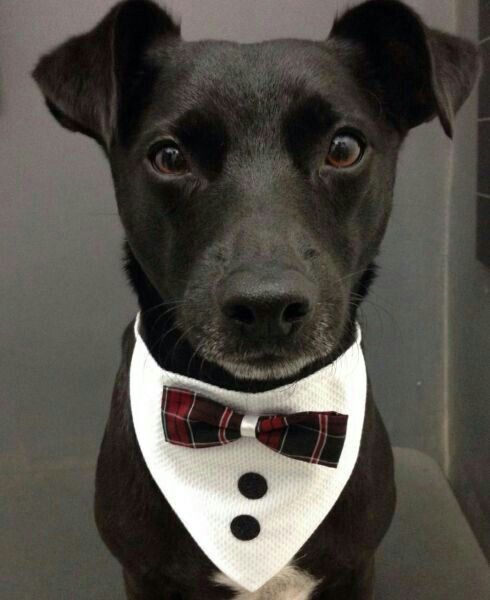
(169, 160)
(345, 151)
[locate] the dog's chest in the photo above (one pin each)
(290, 583)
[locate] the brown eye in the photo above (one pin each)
(345, 151)
(169, 160)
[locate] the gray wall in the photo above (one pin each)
(64, 298)
(469, 321)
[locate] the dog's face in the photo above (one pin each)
(254, 190)
(255, 181)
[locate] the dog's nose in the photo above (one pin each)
(271, 308)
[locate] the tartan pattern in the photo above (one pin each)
(194, 421)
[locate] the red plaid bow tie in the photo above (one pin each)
(195, 421)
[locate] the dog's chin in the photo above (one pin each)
(266, 368)
(270, 363)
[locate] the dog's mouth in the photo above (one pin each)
(271, 362)
(265, 367)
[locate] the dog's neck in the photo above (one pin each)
(172, 351)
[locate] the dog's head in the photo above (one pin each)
(254, 182)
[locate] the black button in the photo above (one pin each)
(252, 486)
(245, 527)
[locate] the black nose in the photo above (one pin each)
(267, 308)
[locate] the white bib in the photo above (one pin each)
(201, 485)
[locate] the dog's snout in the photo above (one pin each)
(267, 307)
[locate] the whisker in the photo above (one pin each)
(196, 350)
(182, 337)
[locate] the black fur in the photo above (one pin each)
(261, 235)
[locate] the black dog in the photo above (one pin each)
(254, 183)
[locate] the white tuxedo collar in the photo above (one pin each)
(202, 485)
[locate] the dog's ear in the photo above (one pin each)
(415, 72)
(88, 80)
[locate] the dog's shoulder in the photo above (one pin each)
(120, 393)
(128, 341)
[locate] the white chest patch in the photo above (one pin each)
(289, 584)
(201, 485)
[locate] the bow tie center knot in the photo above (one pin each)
(248, 425)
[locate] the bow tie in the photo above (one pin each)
(194, 421)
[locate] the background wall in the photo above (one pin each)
(65, 302)
(468, 443)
